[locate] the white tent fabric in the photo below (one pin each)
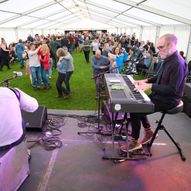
(147, 18)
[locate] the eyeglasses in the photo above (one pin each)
(160, 47)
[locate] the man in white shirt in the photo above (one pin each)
(95, 45)
(34, 64)
(11, 126)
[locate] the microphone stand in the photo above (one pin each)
(7, 81)
(97, 77)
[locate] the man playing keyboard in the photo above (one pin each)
(166, 88)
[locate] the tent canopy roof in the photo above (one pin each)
(90, 14)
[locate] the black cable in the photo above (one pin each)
(51, 142)
(88, 121)
(49, 138)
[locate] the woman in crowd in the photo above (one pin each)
(69, 71)
(61, 67)
(95, 45)
(45, 64)
(12, 54)
(119, 57)
(4, 54)
(26, 57)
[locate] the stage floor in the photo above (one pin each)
(78, 164)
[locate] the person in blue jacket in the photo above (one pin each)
(120, 56)
(19, 49)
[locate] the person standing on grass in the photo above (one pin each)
(12, 54)
(61, 67)
(4, 53)
(86, 48)
(51, 65)
(69, 71)
(54, 45)
(34, 65)
(45, 64)
(95, 45)
(26, 56)
(19, 49)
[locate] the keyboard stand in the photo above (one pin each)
(116, 158)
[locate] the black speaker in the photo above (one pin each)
(35, 120)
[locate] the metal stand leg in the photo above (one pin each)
(176, 144)
(161, 127)
(98, 78)
(127, 155)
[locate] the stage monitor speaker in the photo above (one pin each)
(35, 120)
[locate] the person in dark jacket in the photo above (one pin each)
(86, 48)
(100, 65)
(166, 88)
(4, 55)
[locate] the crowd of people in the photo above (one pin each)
(39, 55)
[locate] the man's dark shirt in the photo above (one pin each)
(168, 85)
(64, 42)
(100, 64)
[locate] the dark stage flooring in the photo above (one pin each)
(78, 164)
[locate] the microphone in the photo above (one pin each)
(7, 81)
(17, 73)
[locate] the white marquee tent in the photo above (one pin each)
(147, 18)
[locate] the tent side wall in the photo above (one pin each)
(182, 32)
(9, 35)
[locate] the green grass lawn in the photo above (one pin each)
(82, 87)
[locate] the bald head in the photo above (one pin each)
(167, 45)
(98, 53)
(170, 38)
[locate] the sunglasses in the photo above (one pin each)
(160, 47)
